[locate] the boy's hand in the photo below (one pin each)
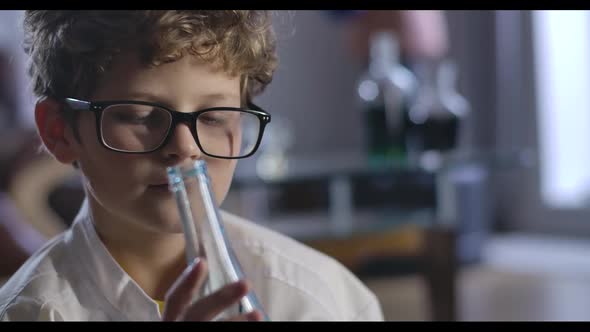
(178, 299)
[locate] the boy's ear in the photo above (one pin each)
(52, 129)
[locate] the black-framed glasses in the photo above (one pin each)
(131, 126)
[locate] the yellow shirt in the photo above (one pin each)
(160, 306)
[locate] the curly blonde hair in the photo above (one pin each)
(70, 50)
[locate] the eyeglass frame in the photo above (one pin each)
(189, 118)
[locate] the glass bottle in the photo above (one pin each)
(434, 120)
(385, 91)
(205, 235)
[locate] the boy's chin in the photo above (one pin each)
(164, 226)
(161, 219)
(163, 216)
(172, 229)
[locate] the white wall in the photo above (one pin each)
(314, 83)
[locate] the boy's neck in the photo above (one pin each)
(153, 260)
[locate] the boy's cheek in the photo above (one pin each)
(116, 169)
(221, 173)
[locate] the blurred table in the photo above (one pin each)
(390, 217)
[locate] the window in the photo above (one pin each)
(561, 42)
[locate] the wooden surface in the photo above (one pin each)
(432, 249)
(353, 250)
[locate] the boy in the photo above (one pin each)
(124, 95)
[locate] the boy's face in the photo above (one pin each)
(132, 187)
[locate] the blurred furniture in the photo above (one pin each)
(32, 176)
(429, 252)
(26, 221)
(377, 221)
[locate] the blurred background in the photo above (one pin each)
(440, 155)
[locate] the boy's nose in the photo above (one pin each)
(182, 144)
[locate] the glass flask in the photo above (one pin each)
(205, 235)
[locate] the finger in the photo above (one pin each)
(181, 293)
(212, 305)
(254, 316)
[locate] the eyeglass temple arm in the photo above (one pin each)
(76, 104)
(257, 108)
(254, 107)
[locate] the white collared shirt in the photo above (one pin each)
(74, 278)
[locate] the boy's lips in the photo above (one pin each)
(163, 183)
(159, 184)
(159, 187)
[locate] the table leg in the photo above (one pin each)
(440, 267)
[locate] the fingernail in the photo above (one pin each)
(244, 284)
(194, 263)
(191, 267)
(240, 286)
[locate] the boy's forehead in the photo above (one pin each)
(133, 60)
(127, 73)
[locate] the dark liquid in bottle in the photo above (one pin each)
(436, 133)
(384, 143)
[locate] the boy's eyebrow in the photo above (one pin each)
(143, 96)
(212, 97)
(206, 98)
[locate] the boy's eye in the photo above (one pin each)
(131, 116)
(212, 118)
(135, 114)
